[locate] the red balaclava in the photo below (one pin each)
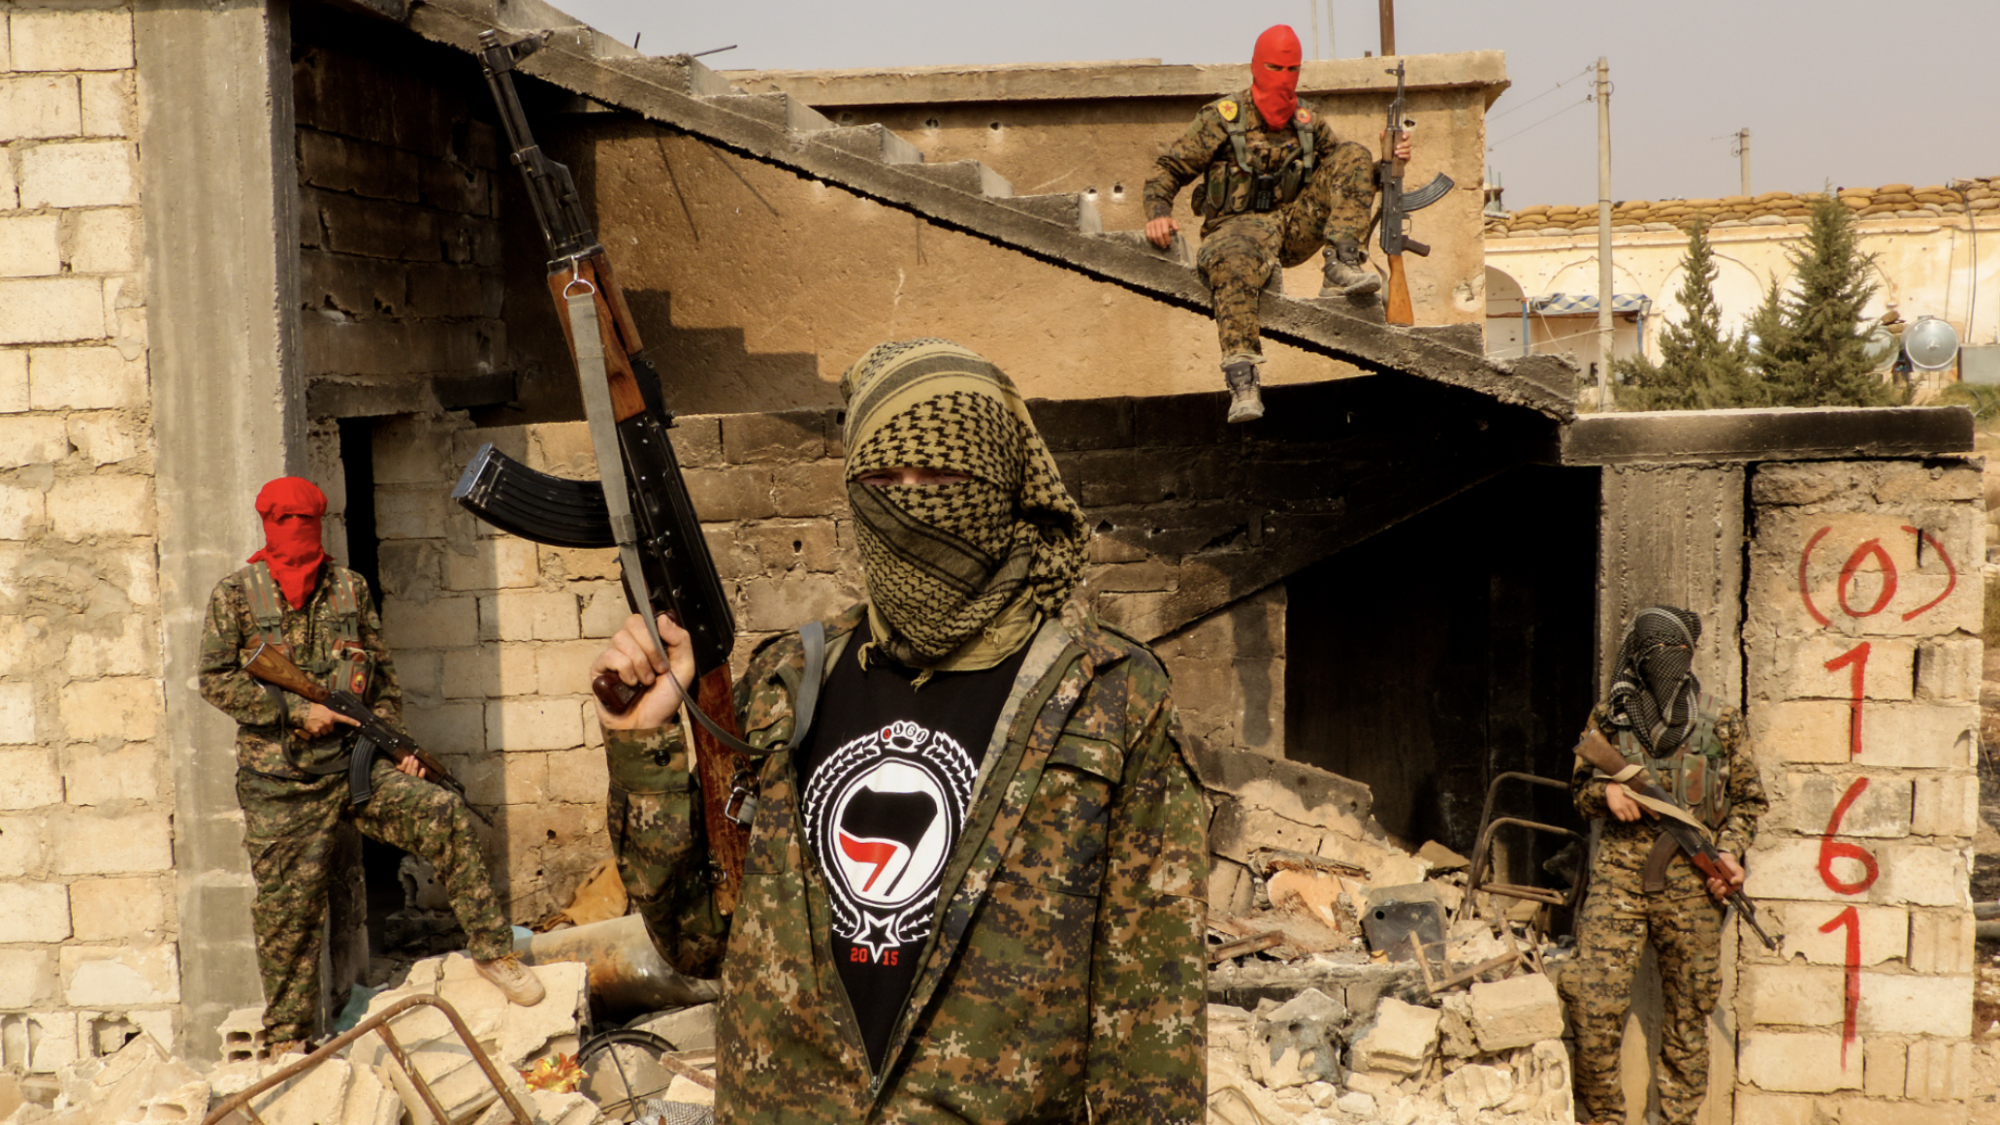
(292, 550)
(1276, 92)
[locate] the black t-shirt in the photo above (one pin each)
(887, 772)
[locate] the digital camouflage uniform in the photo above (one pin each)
(1064, 979)
(1681, 920)
(289, 817)
(1240, 247)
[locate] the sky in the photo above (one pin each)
(1851, 93)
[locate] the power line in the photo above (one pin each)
(1543, 94)
(1551, 117)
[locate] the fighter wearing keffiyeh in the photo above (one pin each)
(975, 876)
(958, 574)
(1653, 691)
(1642, 889)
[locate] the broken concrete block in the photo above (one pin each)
(1516, 1012)
(1477, 1087)
(1455, 1039)
(1354, 1103)
(689, 1029)
(176, 1107)
(243, 1035)
(371, 1101)
(1228, 1030)
(1400, 1040)
(1316, 892)
(1299, 1042)
(1441, 858)
(314, 1097)
(116, 1089)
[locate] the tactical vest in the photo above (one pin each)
(346, 665)
(1697, 772)
(1225, 176)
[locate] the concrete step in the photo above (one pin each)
(872, 141)
(779, 109)
(1178, 252)
(1368, 308)
(1071, 210)
(970, 176)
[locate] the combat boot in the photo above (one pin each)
(1246, 402)
(512, 979)
(1347, 274)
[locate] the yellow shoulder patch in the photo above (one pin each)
(1304, 116)
(1227, 109)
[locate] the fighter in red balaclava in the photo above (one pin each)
(1274, 75)
(1274, 187)
(292, 508)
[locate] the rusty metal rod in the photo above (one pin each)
(379, 1024)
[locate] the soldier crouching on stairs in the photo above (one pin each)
(1277, 186)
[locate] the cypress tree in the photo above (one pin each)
(1810, 348)
(1699, 368)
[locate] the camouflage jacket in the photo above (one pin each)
(1065, 978)
(1206, 145)
(1623, 848)
(266, 717)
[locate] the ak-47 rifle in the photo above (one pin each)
(372, 735)
(640, 504)
(1396, 207)
(1692, 838)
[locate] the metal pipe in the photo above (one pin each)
(626, 972)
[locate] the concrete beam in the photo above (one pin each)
(1669, 437)
(1126, 78)
(657, 90)
(217, 151)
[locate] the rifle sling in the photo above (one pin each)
(813, 635)
(1664, 808)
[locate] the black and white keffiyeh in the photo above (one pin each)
(1654, 688)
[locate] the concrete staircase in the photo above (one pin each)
(965, 196)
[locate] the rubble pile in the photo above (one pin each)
(1341, 989)
(1772, 208)
(533, 1052)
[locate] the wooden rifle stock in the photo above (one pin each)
(1396, 307)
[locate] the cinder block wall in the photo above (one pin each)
(1862, 668)
(399, 234)
(87, 917)
(492, 634)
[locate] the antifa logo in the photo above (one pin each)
(884, 829)
(883, 813)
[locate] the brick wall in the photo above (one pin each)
(87, 915)
(1862, 666)
(400, 241)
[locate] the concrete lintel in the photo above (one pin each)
(1669, 437)
(1124, 78)
(1546, 387)
(370, 398)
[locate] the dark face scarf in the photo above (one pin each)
(951, 567)
(1276, 92)
(292, 545)
(1653, 692)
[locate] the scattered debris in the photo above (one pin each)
(1341, 989)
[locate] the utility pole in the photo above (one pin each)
(1388, 28)
(1743, 150)
(1603, 233)
(1315, 12)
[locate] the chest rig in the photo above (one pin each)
(1696, 773)
(1234, 186)
(340, 661)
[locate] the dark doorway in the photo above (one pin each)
(1451, 648)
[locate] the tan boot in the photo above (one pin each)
(1347, 273)
(513, 979)
(1246, 402)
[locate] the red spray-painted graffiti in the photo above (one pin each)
(1855, 660)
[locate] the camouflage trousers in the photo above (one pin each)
(289, 833)
(1239, 252)
(1685, 930)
